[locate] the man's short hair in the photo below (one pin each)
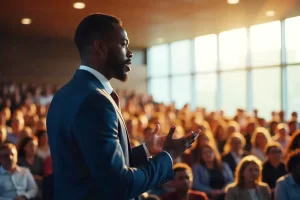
(93, 27)
(293, 160)
(182, 167)
(5, 146)
(272, 145)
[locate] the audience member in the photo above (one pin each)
(182, 183)
(28, 158)
(259, 140)
(247, 184)
(234, 150)
(17, 127)
(273, 168)
(288, 187)
(43, 149)
(211, 175)
(15, 182)
(282, 134)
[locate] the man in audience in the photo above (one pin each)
(273, 168)
(288, 187)
(15, 182)
(17, 127)
(182, 182)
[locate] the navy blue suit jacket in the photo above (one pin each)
(91, 153)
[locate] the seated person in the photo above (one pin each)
(247, 184)
(273, 168)
(211, 175)
(288, 187)
(15, 182)
(28, 158)
(182, 183)
(234, 150)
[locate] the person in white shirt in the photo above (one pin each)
(16, 183)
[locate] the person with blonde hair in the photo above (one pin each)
(234, 150)
(259, 140)
(248, 184)
(282, 134)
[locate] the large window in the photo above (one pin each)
(265, 44)
(233, 91)
(206, 90)
(266, 91)
(159, 88)
(292, 33)
(293, 91)
(206, 53)
(181, 90)
(233, 49)
(181, 52)
(158, 60)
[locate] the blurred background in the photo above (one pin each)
(209, 64)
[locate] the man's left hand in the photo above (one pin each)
(155, 142)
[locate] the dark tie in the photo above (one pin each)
(115, 97)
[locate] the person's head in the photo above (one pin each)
(221, 131)
(293, 164)
(3, 134)
(28, 147)
(102, 43)
(233, 126)
(292, 126)
(17, 125)
(260, 138)
(209, 154)
(294, 142)
(282, 130)
(8, 156)
(42, 138)
(183, 177)
(294, 116)
(249, 170)
(273, 125)
(236, 142)
(274, 152)
(251, 126)
(41, 124)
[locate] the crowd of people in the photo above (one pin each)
(234, 157)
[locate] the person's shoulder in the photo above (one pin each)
(231, 187)
(198, 194)
(282, 180)
(263, 185)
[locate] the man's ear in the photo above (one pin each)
(101, 48)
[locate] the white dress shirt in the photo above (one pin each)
(18, 183)
(108, 88)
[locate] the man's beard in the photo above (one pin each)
(117, 68)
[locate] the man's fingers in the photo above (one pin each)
(191, 137)
(156, 130)
(172, 131)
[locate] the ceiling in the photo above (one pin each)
(144, 20)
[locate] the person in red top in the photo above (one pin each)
(182, 183)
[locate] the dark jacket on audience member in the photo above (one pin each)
(229, 159)
(271, 174)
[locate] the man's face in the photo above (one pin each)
(119, 55)
(9, 158)
(182, 180)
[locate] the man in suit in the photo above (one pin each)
(89, 143)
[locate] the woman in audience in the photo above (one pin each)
(29, 159)
(234, 150)
(272, 127)
(282, 135)
(247, 184)
(273, 168)
(294, 142)
(43, 149)
(250, 128)
(221, 135)
(211, 175)
(259, 140)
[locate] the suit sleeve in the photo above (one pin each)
(96, 131)
(139, 155)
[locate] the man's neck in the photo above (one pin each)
(183, 195)
(275, 164)
(296, 179)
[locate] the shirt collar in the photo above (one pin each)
(100, 77)
(4, 171)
